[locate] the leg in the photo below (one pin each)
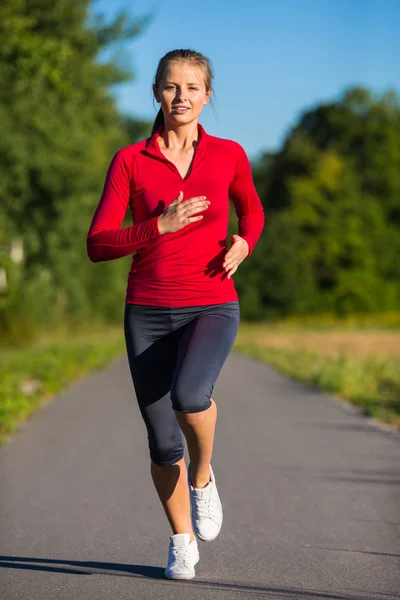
(203, 348)
(172, 488)
(199, 430)
(152, 361)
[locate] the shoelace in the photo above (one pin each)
(205, 507)
(181, 556)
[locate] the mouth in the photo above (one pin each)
(180, 109)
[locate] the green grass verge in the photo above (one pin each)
(31, 376)
(372, 384)
(328, 321)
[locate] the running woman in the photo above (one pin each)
(181, 306)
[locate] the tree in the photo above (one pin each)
(332, 201)
(59, 128)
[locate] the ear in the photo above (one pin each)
(208, 95)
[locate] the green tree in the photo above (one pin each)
(332, 205)
(59, 127)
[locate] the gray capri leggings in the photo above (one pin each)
(175, 356)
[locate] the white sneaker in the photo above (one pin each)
(183, 554)
(207, 512)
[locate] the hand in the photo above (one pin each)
(237, 253)
(178, 214)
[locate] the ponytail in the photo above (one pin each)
(159, 120)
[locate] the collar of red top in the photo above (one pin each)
(153, 146)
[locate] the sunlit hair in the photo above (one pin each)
(190, 56)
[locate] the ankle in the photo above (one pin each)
(192, 536)
(200, 479)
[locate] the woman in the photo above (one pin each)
(181, 306)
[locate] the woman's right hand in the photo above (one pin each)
(178, 214)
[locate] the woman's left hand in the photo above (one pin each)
(237, 253)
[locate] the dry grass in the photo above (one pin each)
(362, 365)
(360, 344)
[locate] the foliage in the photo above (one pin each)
(59, 126)
(332, 202)
(331, 194)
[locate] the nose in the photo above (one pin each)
(180, 94)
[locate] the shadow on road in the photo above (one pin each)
(76, 567)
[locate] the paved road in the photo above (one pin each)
(311, 496)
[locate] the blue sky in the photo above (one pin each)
(271, 59)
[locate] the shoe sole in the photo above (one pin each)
(203, 539)
(180, 576)
(183, 576)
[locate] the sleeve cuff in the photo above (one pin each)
(155, 232)
(245, 237)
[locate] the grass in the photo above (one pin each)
(31, 376)
(346, 359)
(360, 366)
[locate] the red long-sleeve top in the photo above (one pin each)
(183, 268)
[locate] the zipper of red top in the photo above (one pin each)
(171, 164)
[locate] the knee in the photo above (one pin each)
(167, 455)
(190, 398)
(166, 450)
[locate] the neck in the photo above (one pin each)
(181, 137)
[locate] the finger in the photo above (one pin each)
(230, 261)
(197, 199)
(193, 219)
(197, 207)
(190, 206)
(190, 201)
(230, 258)
(230, 266)
(178, 198)
(231, 272)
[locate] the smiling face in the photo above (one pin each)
(182, 85)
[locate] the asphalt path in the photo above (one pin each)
(310, 490)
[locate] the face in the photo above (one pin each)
(183, 85)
